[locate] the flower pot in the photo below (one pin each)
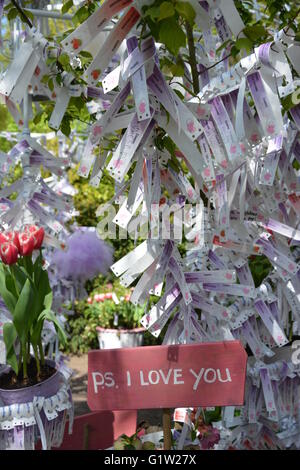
(37, 412)
(122, 338)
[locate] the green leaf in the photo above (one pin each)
(48, 300)
(37, 269)
(153, 12)
(65, 126)
(22, 311)
(12, 14)
(186, 10)
(36, 330)
(171, 34)
(64, 60)
(81, 15)
(50, 316)
(20, 275)
(77, 101)
(43, 289)
(51, 84)
(37, 118)
(29, 14)
(66, 6)
(177, 69)
(9, 337)
(244, 43)
(10, 284)
(9, 299)
(166, 10)
(224, 45)
(58, 79)
(45, 79)
(255, 32)
(85, 54)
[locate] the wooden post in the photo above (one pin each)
(86, 432)
(167, 413)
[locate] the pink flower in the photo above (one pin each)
(208, 436)
(127, 297)
(108, 296)
(89, 300)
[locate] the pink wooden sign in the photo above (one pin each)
(206, 374)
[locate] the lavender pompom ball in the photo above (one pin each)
(86, 256)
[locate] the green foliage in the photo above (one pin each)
(165, 21)
(66, 6)
(260, 267)
(83, 323)
(128, 315)
(26, 292)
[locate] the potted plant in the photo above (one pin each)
(34, 396)
(118, 321)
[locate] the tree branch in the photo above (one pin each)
(291, 21)
(192, 56)
(22, 13)
(216, 63)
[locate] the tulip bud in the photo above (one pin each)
(26, 244)
(8, 253)
(108, 296)
(89, 300)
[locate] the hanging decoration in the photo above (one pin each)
(215, 146)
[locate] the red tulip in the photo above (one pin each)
(9, 253)
(14, 238)
(37, 234)
(26, 244)
(3, 238)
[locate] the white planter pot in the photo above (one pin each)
(115, 339)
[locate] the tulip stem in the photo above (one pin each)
(12, 272)
(20, 360)
(41, 352)
(24, 354)
(28, 349)
(28, 264)
(38, 365)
